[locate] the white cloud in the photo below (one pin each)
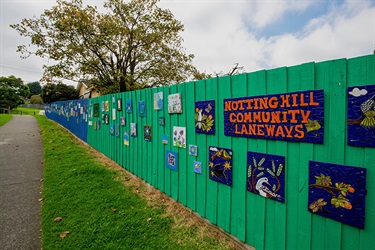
(358, 92)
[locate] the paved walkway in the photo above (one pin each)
(21, 171)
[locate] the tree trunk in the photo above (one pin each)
(122, 84)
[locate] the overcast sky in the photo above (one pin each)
(257, 34)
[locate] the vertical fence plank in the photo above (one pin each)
(174, 174)
(202, 157)
(168, 131)
(182, 171)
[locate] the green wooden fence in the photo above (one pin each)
(260, 222)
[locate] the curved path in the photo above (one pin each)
(21, 171)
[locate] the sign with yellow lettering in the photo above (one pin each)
(297, 116)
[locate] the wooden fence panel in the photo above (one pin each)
(263, 223)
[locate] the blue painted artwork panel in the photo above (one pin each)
(205, 117)
(171, 160)
(220, 165)
(266, 175)
(338, 192)
(142, 108)
(297, 117)
(128, 106)
(361, 116)
(112, 129)
(198, 167)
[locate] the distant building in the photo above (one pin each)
(86, 90)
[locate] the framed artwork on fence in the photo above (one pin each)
(361, 116)
(119, 104)
(117, 130)
(96, 110)
(98, 127)
(158, 101)
(161, 121)
(338, 192)
(129, 106)
(103, 106)
(220, 165)
(122, 121)
(112, 129)
(164, 139)
(266, 175)
(174, 104)
(133, 129)
(198, 167)
(126, 139)
(114, 114)
(142, 108)
(171, 160)
(193, 150)
(147, 132)
(205, 117)
(179, 137)
(106, 104)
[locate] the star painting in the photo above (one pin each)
(220, 165)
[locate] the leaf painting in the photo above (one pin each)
(337, 192)
(205, 117)
(265, 175)
(220, 165)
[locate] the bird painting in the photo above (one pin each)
(368, 110)
(260, 187)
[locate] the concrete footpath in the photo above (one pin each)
(21, 171)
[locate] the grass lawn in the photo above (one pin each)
(99, 207)
(4, 118)
(25, 111)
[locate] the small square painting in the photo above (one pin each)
(147, 133)
(171, 160)
(142, 108)
(161, 121)
(174, 104)
(112, 129)
(164, 139)
(197, 167)
(193, 150)
(179, 137)
(133, 129)
(158, 101)
(122, 121)
(128, 106)
(119, 104)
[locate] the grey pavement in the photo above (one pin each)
(21, 171)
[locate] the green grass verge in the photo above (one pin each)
(97, 209)
(4, 118)
(25, 111)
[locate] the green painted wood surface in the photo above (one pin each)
(264, 224)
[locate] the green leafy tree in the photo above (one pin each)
(132, 45)
(36, 99)
(35, 88)
(12, 92)
(58, 92)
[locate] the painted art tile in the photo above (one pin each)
(147, 132)
(95, 126)
(266, 175)
(114, 114)
(104, 118)
(142, 108)
(119, 104)
(338, 192)
(122, 121)
(197, 167)
(129, 106)
(117, 130)
(96, 110)
(220, 165)
(161, 121)
(98, 127)
(106, 105)
(293, 116)
(126, 139)
(112, 129)
(179, 137)
(133, 129)
(361, 116)
(205, 117)
(103, 106)
(158, 101)
(164, 139)
(171, 160)
(193, 150)
(174, 104)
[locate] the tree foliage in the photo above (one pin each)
(36, 99)
(12, 90)
(132, 45)
(35, 88)
(58, 92)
